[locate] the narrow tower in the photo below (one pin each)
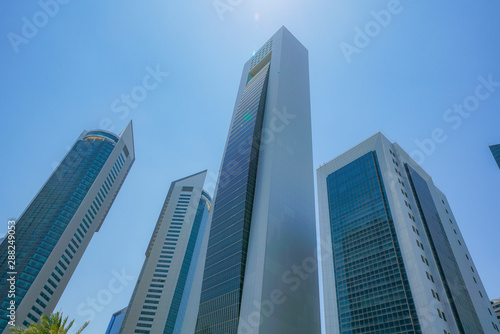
(261, 270)
(167, 293)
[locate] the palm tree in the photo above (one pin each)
(53, 325)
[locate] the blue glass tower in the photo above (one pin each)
(393, 258)
(116, 322)
(56, 227)
(260, 271)
(369, 271)
(495, 150)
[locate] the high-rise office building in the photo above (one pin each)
(116, 322)
(167, 294)
(495, 303)
(393, 258)
(260, 272)
(53, 232)
(495, 150)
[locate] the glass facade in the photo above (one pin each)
(372, 289)
(176, 313)
(115, 322)
(44, 221)
(456, 290)
(495, 150)
(228, 242)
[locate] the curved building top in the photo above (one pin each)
(101, 135)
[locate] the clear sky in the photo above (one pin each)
(401, 76)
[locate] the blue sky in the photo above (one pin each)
(402, 78)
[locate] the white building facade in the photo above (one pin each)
(393, 258)
(167, 293)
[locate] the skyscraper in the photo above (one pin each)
(261, 270)
(167, 294)
(53, 232)
(393, 257)
(495, 303)
(116, 322)
(495, 150)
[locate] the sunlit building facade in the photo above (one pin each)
(393, 257)
(167, 293)
(53, 232)
(260, 272)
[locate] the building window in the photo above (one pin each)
(55, 276)
(32, 317)
(42, 304)
(441, 314)
(36, 309)
(435, 295)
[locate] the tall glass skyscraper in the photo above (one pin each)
(495, 150)
(393, 257)
(53, 232)
(261, 270)
(116, 321)
(167, 294)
